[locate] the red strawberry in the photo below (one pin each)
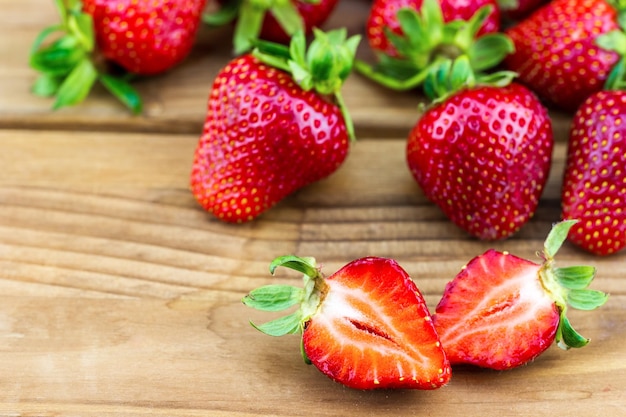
(502, 311)
(594, 185)
(411, 38)
(366, 326)
(143, 37)
(557, 52)
(383, 16)
(271, 21)
(483, 156)
(266, 134)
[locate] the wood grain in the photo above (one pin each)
(121, 297)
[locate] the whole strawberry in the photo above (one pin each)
(482, 153)
(366, 326)
(410, 38)
(383, 17)
(267, 132)
(142, 37)
(594, 183)
(275, 21)
(502, 311)
(558, 51)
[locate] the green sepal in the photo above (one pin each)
(305, 265)
(123, 91)
(567, 337)
(46, 85)
(288, 17)
(556, 237)
(273, 297)
(489, 50)
(247, 28)
(289, 324)
(58, 58)
(586, 299)
(77, 85)
(575, 277)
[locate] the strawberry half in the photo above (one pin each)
(143, 37)
(594, 182)
(366, 326)
(502, 311)
(275, 123)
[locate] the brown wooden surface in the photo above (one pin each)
(121, 297)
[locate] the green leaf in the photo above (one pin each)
(123, 91)
(614, 40)
(586, 299)
(81, 26)
(305, 265)
(557, 236)
(575, 277)
(273, 297)
(567, 337)
(288, 17)
(247, 28)
(58, 58)
(489, 50)
(77, 85)
(281, 326)
(46, 85)
(226, 14)
(43, 35)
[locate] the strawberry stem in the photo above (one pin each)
(568, 286)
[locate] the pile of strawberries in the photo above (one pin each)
(481, 150)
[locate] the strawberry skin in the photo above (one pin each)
(502, 311)
(383, 14)
(483, 156)
(145, 37)
(373, 330)
(264, 137)
(495, 313)
(366, 326)
(594, 184)
(556, 53)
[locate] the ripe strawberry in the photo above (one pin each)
(366, 326)
(411, 37)
(483, 155)
(594, 184)
(558, 53)
(142, 37)
(383, 17)
(275, 21)
(267, 132)
(502, 311)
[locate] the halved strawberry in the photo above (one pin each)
(366, 326)
(502, 311)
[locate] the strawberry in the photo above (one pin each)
(502, 311)
(411, 38)
(383, 17)
(594, 184)
(142, 37)
(366, 326)
(275, 21)
(561, 51)
(482, 153)
(267, 132)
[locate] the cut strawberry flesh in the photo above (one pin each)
(373, 330)
(495, 313)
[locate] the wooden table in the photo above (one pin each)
(121, 297)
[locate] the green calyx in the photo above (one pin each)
(568, 286)
(427, 40)
(274, 298)
(249, 16)
(323, 67)
(65, 63)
